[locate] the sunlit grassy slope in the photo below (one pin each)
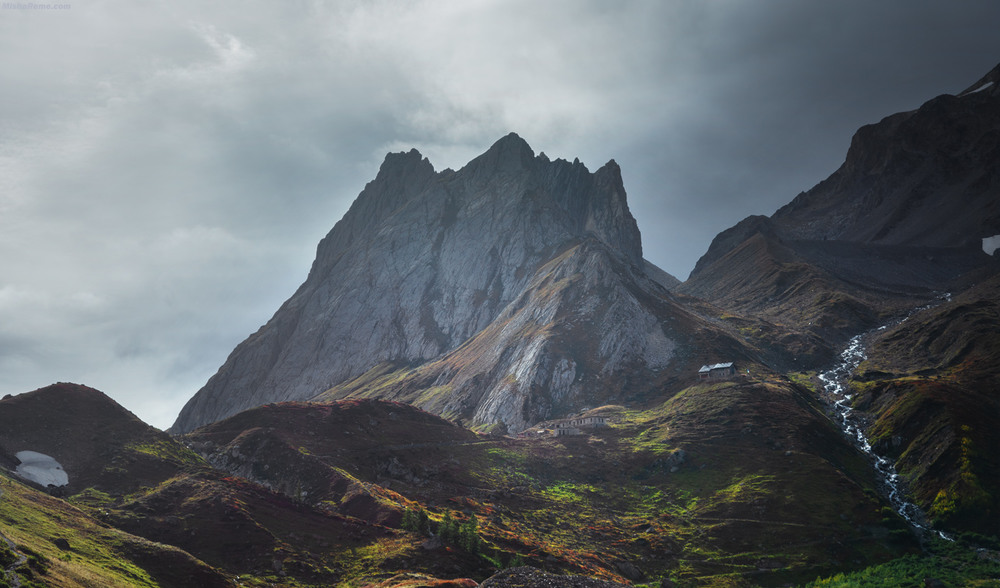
(64, 546)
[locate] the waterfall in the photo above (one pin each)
(835, 388)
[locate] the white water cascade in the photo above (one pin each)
(835, 387)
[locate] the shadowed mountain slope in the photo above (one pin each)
(931, 384)
(896, 227)
(927, 177)
(901, 221)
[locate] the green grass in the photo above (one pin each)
(371, 384)
(805, 379)
(91, 497)
(505, 456)
(357, 563)
(953, 564)
(745, 488)
(166, 449)
(34, 520)
(567, 492)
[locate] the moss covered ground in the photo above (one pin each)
(67, 547)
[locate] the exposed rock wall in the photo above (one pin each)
(583, 327)
(422, 261)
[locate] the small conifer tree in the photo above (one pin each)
(410, 520)
(447, 528)
(468, 535)
(423, 522)
(416, 520)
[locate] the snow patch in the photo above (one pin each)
(41, 469)
(981, 88)
(991, 244)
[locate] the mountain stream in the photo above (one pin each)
(835, 388)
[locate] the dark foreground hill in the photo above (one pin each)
(98, 442)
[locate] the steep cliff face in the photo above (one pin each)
(422, 261)
(587, 330)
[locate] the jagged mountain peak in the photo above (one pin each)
(509, 153)
(402, 163)
(421, 262)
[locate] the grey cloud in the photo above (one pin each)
(166, 170)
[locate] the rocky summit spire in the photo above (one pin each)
(510, 154)
(420, 263)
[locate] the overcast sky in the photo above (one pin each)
(168, 167)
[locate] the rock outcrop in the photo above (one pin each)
(588, 329)
(421, 262)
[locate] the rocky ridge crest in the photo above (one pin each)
(899, 222)
(421, 262)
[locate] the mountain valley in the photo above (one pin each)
(483, 373)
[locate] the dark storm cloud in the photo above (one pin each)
(782, 88)
(166, 169)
